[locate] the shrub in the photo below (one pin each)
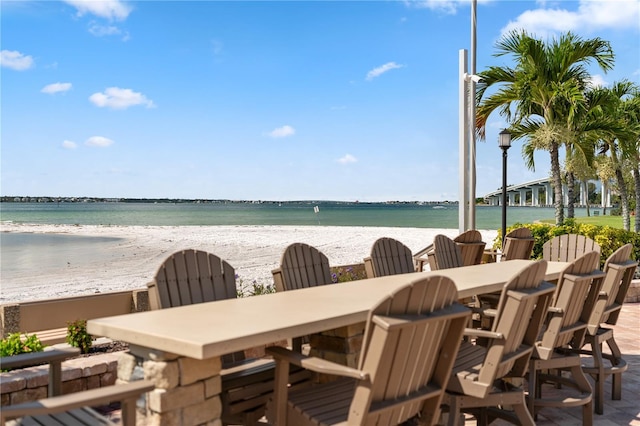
(252, 289)
(78, 337)
(609, 239)
(341, 274)
(14, 344)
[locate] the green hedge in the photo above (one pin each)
(609, 239)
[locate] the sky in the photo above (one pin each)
(294, 100)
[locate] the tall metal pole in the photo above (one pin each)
(504, 193)
(463, 154)
(472, 122)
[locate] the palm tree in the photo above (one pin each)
(621, 144)
(630, 143)
(540, 95)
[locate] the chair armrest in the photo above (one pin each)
(93, 397)
(485, 312)
(368, 267)
(36, 358)
(472, 332)
(315, 364)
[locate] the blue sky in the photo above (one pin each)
(263, 100)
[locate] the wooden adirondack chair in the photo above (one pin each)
(471, 247)
(568, 247)
(71, 409)
(478, 373)
(301, 266)
(193, 276)
(411, 340)
(446, 254)
(388, 257)
(518, 244)
(565, 326)
(619, 270)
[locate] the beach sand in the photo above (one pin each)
(131, 262)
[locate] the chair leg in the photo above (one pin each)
(524, 416)
(454, 410)
(599, 377)
(616, 355)
(532, 387)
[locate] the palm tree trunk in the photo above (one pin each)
(624, 199)
(557, 183)
(636, 181)
(571, 198)
(586, 191)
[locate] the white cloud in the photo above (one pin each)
(449, 7)
(217, 47)
(591, 15)
(15, 60)
(376, 72)
(99, 141)
(69, 145)
(347, 159)
(598, 81)
(444, 6)
(117, 98)
(282, 132)
(109, 9)
(54, 88)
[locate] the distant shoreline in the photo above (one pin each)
(47, 199)
(132, 258)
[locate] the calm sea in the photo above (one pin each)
(299, 213)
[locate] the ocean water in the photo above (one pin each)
(235, 213)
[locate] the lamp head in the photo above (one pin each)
(504, 139)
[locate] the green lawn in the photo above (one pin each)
(612, 221)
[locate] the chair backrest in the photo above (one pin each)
(518, 244)
(411, 340)
(471, 247)
(389, 257)
(578, 286)
(619, 270)
(446, 253)
(568, 247)
(191, 276)
(302, 266)
(520, 313)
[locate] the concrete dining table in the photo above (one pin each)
(195, 336)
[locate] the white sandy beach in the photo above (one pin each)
(252, 250)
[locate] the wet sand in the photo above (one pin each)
(126, 257)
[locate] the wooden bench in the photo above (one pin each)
(48, 319)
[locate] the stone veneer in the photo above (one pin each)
(79, 374)
(633, 294)
(187, 390)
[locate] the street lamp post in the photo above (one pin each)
(504, 142)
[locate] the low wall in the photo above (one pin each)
(79, 374)
(48, 318)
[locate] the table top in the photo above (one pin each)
(211, 329)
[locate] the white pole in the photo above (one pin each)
(472, 123)
(463, 128)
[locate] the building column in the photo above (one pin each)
(512, 198)
(549, 193)
(535, 194)
(523, 197)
